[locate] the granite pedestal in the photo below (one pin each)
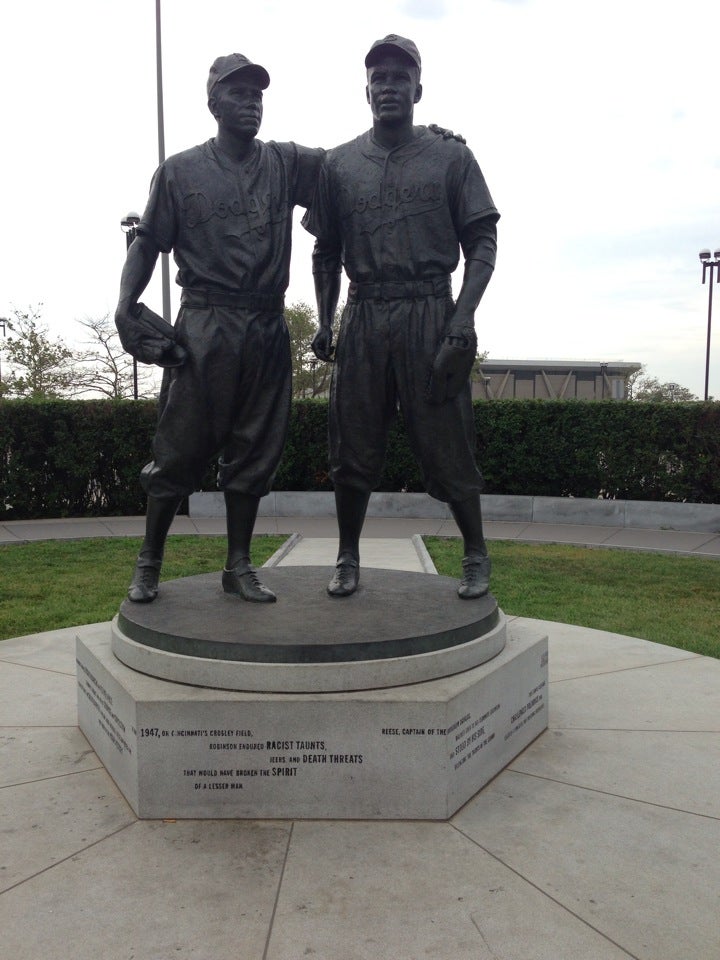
(399, 702)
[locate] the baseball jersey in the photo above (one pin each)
(400, 214)
(229, 222)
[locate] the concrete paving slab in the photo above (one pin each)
(36, 697)
(448, 528)
(404, 528)
(646, 877)
(211, 527)
(53, 650)
(567, 533)
(675, 770)
(503, 529)
(709, 549)
(263, 525)
(411, 890)
(48, 820)
(673, 541)
(326, 527)
(582, 652)
(153, 891)
(307, 526)
(392, 554)
(37, 753)
(66, 529)
(683, 695)
(9, 534)
(160, 890)
(315, 551)
(182, 524)
(125, 526)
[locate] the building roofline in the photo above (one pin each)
(597, 366)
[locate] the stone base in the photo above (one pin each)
(418, 751)
(398, 628)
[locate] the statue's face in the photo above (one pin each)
(237, 105)
(393, 89)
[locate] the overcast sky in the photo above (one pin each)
(595, 124)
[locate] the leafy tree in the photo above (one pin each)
(480, 358)
(650, 389)
(105, 368)
(39, 368)
(311, 377)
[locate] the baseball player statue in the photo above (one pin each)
(395, 206)
(225, 210)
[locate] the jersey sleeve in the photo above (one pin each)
(471, 201)
(320, 218)
(309, 161)
(302, 165)
(159, 221)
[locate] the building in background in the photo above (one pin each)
(552, 380)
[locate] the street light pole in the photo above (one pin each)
(164, 257)
(709, 264)
(128, 225)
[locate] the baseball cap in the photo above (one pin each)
(391, 44)
(224, 66)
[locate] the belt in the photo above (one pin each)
(401, 289)
(247, 301)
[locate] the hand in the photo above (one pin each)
(322, 345)
(446, 134)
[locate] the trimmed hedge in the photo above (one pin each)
(71, 458)
(610, 449)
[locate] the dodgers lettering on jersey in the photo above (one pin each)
(384, 202)
(399, 214)
(253, 213)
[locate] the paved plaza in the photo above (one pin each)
(599, 842)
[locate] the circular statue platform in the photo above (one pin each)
(398, 628)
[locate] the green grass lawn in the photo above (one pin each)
(668, 599)
(671, 600)
(58, 583)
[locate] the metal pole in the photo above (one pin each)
(711, 265)
(129, 237)
(164, 258)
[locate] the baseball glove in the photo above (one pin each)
(453, 364)
(149, 338)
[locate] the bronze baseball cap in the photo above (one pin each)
(223, 67)
(391, 44)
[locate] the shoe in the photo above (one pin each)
(476, 578)
(144, 585)
(243, 582)
(346, 578)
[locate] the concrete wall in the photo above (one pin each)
(610, 513)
